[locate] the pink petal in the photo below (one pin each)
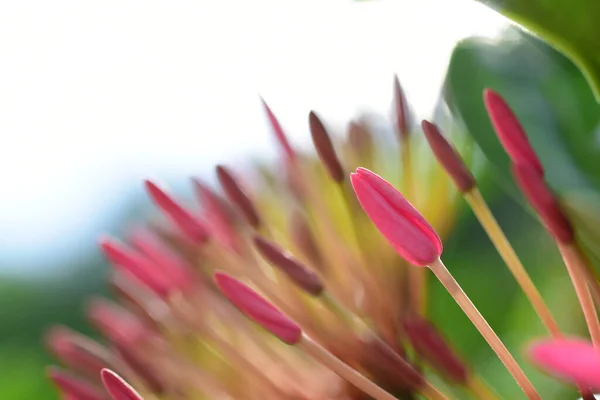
(397, 220)
(510, 132)
(185, 221)
(117, 387)
(574, 360)
(279, 133)
(258, 309)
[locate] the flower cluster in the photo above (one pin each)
(332, 265)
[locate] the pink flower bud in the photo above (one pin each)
(74, 387)
(573, 360)
(397, 220)
(293, 268)
(448, 157)
(182, 218)
(135, 264)
(117, 387)
(279, 133)
(510, 132)
(258, 309)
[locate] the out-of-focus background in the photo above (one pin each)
(95, 96)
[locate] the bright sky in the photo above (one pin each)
(95, 95)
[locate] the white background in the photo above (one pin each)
(95, 95)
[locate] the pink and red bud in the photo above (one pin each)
(185, 221)
(74, 387)
(303, 238)
(294, 269)
(117, 387)
(147, 373)
(397, 220)
(510, 132)
(431, 346)
(325, 149)
(360, 141)
(401, 109)
(135, 264)
(573, 360)
(216, 216)
(237, 196)
(389, 367)
(448, 157)
(77, 351)
(544, 202)
(258, 309)
(117, 324)
(279, 133)
(177, 272)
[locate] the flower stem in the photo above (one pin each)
(575, 267)
(442, 273)
(498, 238)
(342, 369)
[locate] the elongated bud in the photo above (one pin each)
(544, 202)
(258, 309)
(573, 360)
(182, 218)
(237, 196)
(116, 323)
(401, 109)
(325, 149)
(293, 268)
(135, 264)
(429, 344)
(397, 220)
(70, 385)
(215, 215)
(279, 133)
(303, 238)
(143, 371)
(117, 387)
(448, 157)
(76, 350)
(510, 132)
(389, 366)
(178, 272)
(360, 141)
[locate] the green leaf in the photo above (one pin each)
(551, 98)
(544, 89)
(569, 26)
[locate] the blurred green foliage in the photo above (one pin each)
(570, 26)
(553, 101)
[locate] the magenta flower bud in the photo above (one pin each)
(510, 132)
(182, 218)
(573, 360)
(136, 265)
(117, 387)
(280, 136)
(397, 220)
(74, 387)
(258, 309)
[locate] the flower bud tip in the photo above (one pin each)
(258, 309)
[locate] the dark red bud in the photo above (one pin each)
(325, 149)
(448, 157)
(429, 344)
(237, 196)
(294, 269)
